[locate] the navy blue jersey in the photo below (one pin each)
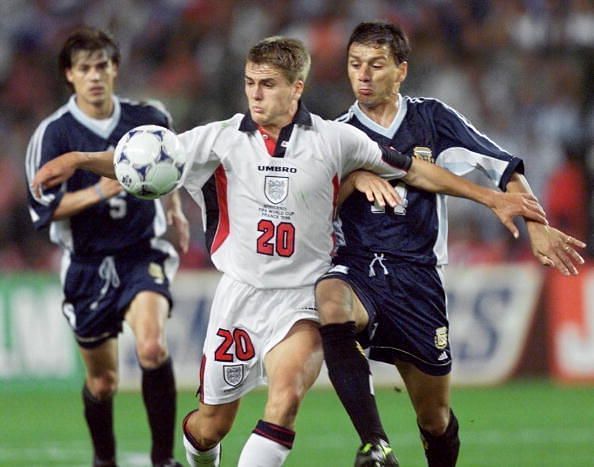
(417, 231)
(111, 225)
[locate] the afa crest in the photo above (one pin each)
(441, 338)
(276, 189)
(156, 272)
(424, 153)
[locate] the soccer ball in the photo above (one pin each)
(149, 161)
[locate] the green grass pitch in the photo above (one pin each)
(520, 424)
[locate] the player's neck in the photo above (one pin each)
(382, 114)
(274, 127)
(99, 110)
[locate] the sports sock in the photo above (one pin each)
(197, 457)
(99, 417)
(350, 375)
(158, 392)
(268, 446)
(442, 451)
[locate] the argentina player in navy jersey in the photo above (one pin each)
(115, 265)
(385, 290)
(428, 129)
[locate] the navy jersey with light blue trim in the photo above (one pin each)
(417, 232)
(109, 226)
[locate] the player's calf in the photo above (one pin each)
(194, 454)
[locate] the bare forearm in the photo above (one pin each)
(519, 184)
(346, 189)
(100, 163)
(430, 177)
(76, 201)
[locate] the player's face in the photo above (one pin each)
(93, 77)
(374, 75)
(272, 100)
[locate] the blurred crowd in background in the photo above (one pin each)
(521, 70)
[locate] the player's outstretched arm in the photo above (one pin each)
(550, 246)
(177, 219)
(61, 168)
(376, 189)
(506, 206)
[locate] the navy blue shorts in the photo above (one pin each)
(98, 291)
(406, 304)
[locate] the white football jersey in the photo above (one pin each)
(275, 212)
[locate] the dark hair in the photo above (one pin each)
(289, 55)
(382, 33)
(87, 39)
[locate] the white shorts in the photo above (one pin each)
(245, 324)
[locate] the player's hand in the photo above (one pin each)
(376, 189)
(554, 248)
(509, 205)
(177, 219)
(54, 173)
(108, 187)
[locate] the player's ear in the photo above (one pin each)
(69, 75)
(298, 88)
(402, 72)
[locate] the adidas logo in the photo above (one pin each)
(443, 356)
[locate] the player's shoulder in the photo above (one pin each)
(424, 104)
(328, 125)
(56, 122)
(228, 129)
(151, 109)
(347, 116)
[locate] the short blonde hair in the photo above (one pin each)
(288, 55)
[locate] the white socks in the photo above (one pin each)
(196, 458)
(262, 452)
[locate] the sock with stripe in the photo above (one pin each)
(268, 446)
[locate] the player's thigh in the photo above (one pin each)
(147, 314)
(430, 395)
(338, 303)
(210, 423)
(292, 367)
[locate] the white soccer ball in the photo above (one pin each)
(149, 161)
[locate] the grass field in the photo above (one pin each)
(521, 424)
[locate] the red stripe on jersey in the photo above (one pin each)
(336, 189)
(201, 378)
(223, 226)
(269, 141)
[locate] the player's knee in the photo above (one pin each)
(434, 422)
(151, 353)
(103, 386)
(334, 301)
(332, 312)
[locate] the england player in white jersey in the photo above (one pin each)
(269, 210)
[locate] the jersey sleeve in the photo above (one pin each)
(203, 160)
(361, 152)
(462, 148)
(43, 146)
